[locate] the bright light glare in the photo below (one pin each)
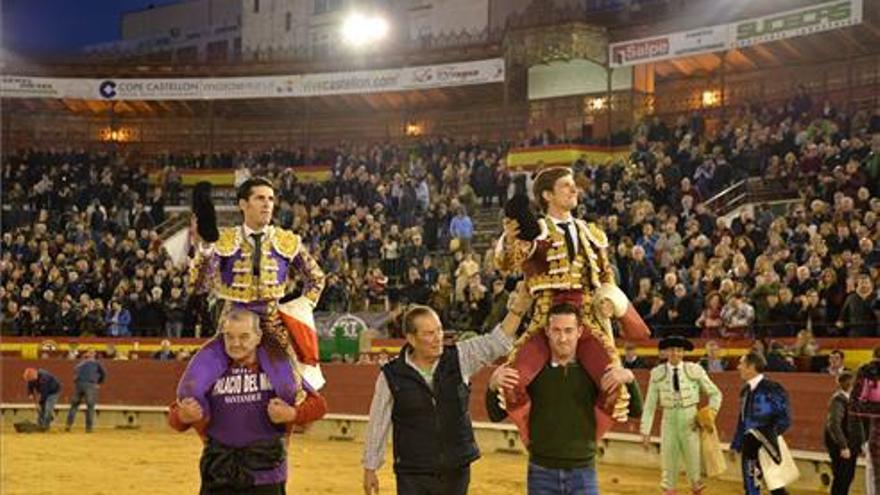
(359, 29)
(711, 98)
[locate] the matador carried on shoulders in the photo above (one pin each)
(250, 265)
(565, 260)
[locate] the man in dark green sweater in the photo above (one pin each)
(562, 422)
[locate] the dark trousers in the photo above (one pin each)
(276, 489)
(844, 470)
(751, 469)
(453, 482)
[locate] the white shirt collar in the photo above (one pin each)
(427, 375)
(753, 383)
(557, 221)
(248, 231)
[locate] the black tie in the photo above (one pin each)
(258, 251)
(676, 385)
(569, 241)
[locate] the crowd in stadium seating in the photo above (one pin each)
(814, 266)
(80, 255)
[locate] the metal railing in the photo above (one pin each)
(752, 190)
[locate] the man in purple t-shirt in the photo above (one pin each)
(237, 394)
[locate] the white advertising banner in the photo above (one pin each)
(334, 83)
(674, 45)
(788, 24)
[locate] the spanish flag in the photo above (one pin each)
(299, 319)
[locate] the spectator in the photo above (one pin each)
(175, 313)
(805, 344)
(442, 294)
(778, 359)
(118, 320)
(657, 315)
(417, 291)
(87, 379)
(376, 283)
(738, 316)
(462, 228)
(811, 315)
(710, 321)
(631, 360)
(836, 365)
(682, 313)
(165, 353)
(640, 267)
(464, 273)
(478, 302)
(858, 317)
(429, 273)
(712, 362)
(67, 319)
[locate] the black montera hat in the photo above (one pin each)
(676, 341)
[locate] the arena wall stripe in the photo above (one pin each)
(350, 387)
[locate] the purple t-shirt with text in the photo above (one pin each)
(239, 400)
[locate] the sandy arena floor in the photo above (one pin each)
(158, 461)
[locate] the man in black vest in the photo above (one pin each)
(424, 395)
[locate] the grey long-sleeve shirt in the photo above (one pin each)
(473, 354)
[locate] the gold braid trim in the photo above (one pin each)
(596, 271)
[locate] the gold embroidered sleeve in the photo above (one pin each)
(311, 274)
(510, 255)
(597, 236)
(600, 240)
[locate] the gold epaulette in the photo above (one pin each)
(597, 236)
(285, 242)
(229, 241)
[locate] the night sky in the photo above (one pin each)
(51, 27)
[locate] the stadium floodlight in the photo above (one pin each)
(359, 29)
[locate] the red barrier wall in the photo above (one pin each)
(350, 388)
(140, 382)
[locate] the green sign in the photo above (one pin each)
(344, 338)
(823, 17)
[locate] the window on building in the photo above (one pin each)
(217, 51)
(187, 54)
(288, 20)
(256, 6)
(320, 44)
(324, 6)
